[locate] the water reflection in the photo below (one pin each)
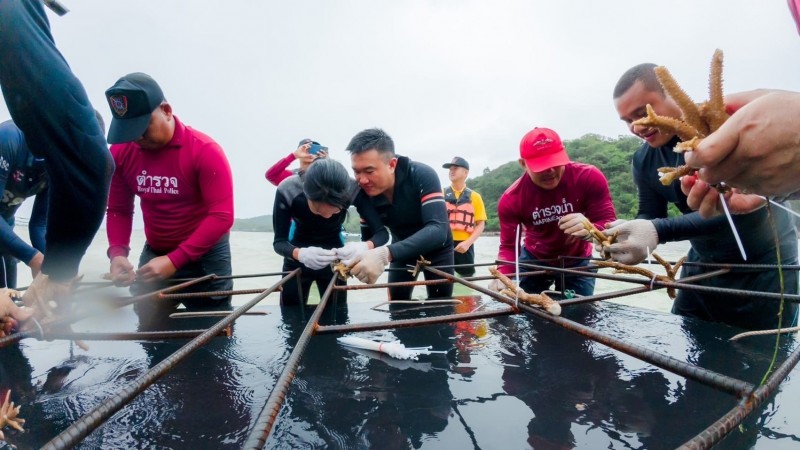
(511, 382)
(345, 398)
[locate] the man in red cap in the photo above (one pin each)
(550, 201)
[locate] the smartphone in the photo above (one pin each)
(316, 148)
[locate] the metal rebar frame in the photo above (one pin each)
(16, 337)
(266, 420)
(358, 287)
(750, 396)
(100, 413)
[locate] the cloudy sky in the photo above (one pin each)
(443, 77)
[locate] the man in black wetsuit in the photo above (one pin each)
(409, 198)
(49, 104)
(712, 240)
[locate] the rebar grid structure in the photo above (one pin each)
(750, 396)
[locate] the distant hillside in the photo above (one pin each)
(259, 223)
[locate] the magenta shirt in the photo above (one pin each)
(583, 189)
(185, 191)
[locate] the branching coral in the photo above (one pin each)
(697, 120)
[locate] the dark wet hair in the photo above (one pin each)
(642, 72)
(372, 139)
(326, 181)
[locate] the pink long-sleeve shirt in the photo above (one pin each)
(185, 191)
(278, 172)
(582, 189)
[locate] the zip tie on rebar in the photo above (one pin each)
(653, 281)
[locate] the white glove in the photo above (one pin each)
(315, 257)
(350, 251)
(370, 264)
(572, 224)
(636, 240)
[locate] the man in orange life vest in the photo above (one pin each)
(466, 213)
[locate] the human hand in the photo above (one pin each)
(758, 148)
(703, 198)
(370, 264)
(158, 268)
(572, 225)
(302, 155)
(462, 247)
(36, 264)
(316, 258)
(122, 272)
(598, 247)
(350, 251)
(10, 313)
(635, 241)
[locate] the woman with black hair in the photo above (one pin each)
(317, 201)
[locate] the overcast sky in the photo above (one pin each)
(442, 77)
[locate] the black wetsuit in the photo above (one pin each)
(21, 176)
(312, 230)
(50, 106)
(417, 218)
(713, 242)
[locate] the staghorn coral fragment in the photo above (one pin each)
(668, 175)
(342, 270)
(713, 111)
(672, 271)
(9, 415)
(667, 125)
(687, 146)
(697, 121)
(541, 300)
(690, 113)
(599, 237)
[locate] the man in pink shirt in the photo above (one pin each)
(184, 183)
(550, 201)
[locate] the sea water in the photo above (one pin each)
(508, 382)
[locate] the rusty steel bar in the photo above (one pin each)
(600, 297)
(233, 277)
(405, 323)
(358, 287)
(100, 413)
(754, 267)
(16, 337)
(733, 418)
(793, 298)
(209, 294)
(266, 419)
(616, 294)
(133, 336)
(705, 376)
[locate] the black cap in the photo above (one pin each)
(132, 99)
(457, 161)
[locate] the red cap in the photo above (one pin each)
(542, 149)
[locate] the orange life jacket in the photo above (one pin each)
(460, 211)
